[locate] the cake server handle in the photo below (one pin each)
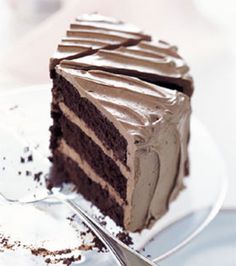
(124, 255)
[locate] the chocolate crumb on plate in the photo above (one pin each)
(125, 238)
(70, 260)
(28, 173)
(71, 218)
(45, 252)
(37, 176)
(30, 158)
(48, 260)
(99, 245)
(85, 247)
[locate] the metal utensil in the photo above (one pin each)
(124, 255)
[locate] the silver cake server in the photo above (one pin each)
(124, 255)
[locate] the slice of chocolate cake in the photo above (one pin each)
(117, 135)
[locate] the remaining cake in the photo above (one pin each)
(89, 33)
(120, 120)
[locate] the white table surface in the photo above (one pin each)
(206, 39)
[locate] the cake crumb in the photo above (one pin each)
(28, 173)
(125, 238)
(71, 218)
(99, 245)
(85, 247)
(30, 158)
(37, 176)
(51, 256)
(69, 261)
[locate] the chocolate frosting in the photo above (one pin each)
(155, 122)
(95, 20)
(88, 33)
(154, 62)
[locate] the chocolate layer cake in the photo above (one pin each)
(120, 112)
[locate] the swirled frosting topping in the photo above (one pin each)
(89, 33)
(156, 62)
(95, 20)
(137, 105)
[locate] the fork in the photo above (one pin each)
(124, 255)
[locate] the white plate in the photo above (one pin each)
(216, 246)
(25, 119)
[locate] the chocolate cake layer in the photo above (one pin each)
(93, 155)
(55, 129)
(85, 110)
(66, 170)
